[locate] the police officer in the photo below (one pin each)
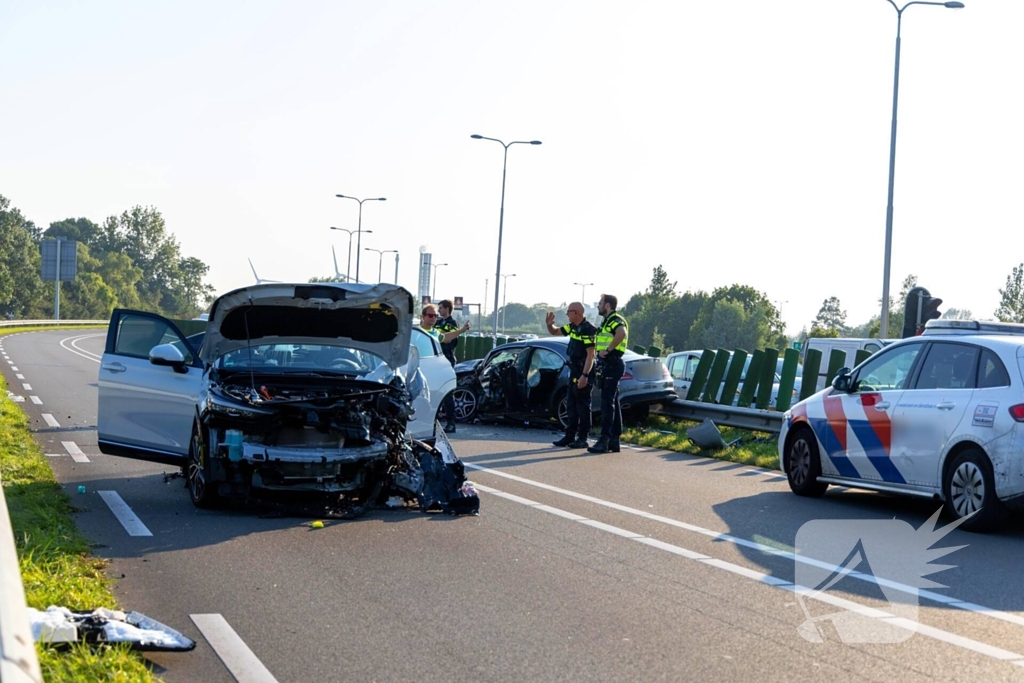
(431, 320)
(611, 343)
(581, 365)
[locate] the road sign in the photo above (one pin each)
(68, 250)
(458, 302)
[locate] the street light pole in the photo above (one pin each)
(396, 266)
(583, 293)
(883, 332)
(359, 231)
(501, 218)
(348, 267)
(435, 266)
(504, 298)
(380, 259)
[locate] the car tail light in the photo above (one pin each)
(626, 375)
(664, 372)
(1017, 412)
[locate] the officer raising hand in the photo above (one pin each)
(581, 335)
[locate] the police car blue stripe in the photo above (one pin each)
(825, 435)
(872, 445)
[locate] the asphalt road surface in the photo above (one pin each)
(641, 565)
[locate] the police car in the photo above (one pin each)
(938, 416)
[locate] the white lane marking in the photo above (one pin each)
(774, 581)
(50, 420)
(28, 387)
(20, 376)
(231, 649)
(35, 399)
(131, 523)
(74, 343)
(14, 368)
(88, 355)
(869, 578)
(74, 451)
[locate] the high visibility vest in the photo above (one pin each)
(605, 335)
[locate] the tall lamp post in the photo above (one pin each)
(380, 259)
(435, 266)
(359, 231)
(583, 293)
(348, 268)
(884, 330)
(501, 218)
(504, 298)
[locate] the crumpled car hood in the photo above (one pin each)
(373, 318)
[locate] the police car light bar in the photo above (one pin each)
(971, 326)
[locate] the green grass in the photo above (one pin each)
(56, 567)
(756, 448)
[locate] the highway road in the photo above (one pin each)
(641, 565)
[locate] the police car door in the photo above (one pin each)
(932, 408)
(864, 416)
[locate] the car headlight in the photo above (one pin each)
(221, 406)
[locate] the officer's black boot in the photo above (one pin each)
(564, 441)
(613, 446)
(600, 446)
(579, 443)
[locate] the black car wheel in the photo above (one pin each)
(201, 489)
(562, 409)
(466, 404)
(969, 489)
(803, 465)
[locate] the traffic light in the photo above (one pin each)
(921, 307)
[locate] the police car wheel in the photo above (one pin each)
(803, 465)
(969, 489)
(466, 404)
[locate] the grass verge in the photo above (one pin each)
(755, 448)
(56, 567)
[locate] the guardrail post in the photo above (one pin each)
(700, 375)
(732, 376)
(789, 364)
(715, 378)
(862, 355)
(752, 379)
(767, 379)
(836, 361)
(812, 367)
(18, 659)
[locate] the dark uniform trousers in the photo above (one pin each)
(612, 368)
(580, 408)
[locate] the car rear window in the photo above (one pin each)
(992, 372)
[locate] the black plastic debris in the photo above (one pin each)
(60, 626)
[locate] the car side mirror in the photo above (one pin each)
(169, 355)
(843, 381)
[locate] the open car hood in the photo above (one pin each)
(373, 318)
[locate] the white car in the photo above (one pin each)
(937, 416)
(305, 387)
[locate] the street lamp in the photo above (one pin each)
(504, 297)
(380, 259)
(501, 218)
(884, 331)
(359, 231)
(348, 268)
(435, 266)
(583, 293)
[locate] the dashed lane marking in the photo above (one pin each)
(232, 650)
(129, 520)
(74, 451)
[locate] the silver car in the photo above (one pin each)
(296, 387)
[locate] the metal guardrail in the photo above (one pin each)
(41, 323)
(19, 662)
(728, 416)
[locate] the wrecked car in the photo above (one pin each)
(307, 388)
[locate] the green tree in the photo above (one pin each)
(823, 332)
(763, 323)
(830, 316)
(1011, 304)
(21, 289)
(81, 230)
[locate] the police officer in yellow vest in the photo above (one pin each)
(581, 333)
(611, 343)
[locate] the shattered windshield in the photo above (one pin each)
(288, 358)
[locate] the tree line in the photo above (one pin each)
(128, 261)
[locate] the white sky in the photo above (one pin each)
(742, 141)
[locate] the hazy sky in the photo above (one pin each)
(731, 142)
